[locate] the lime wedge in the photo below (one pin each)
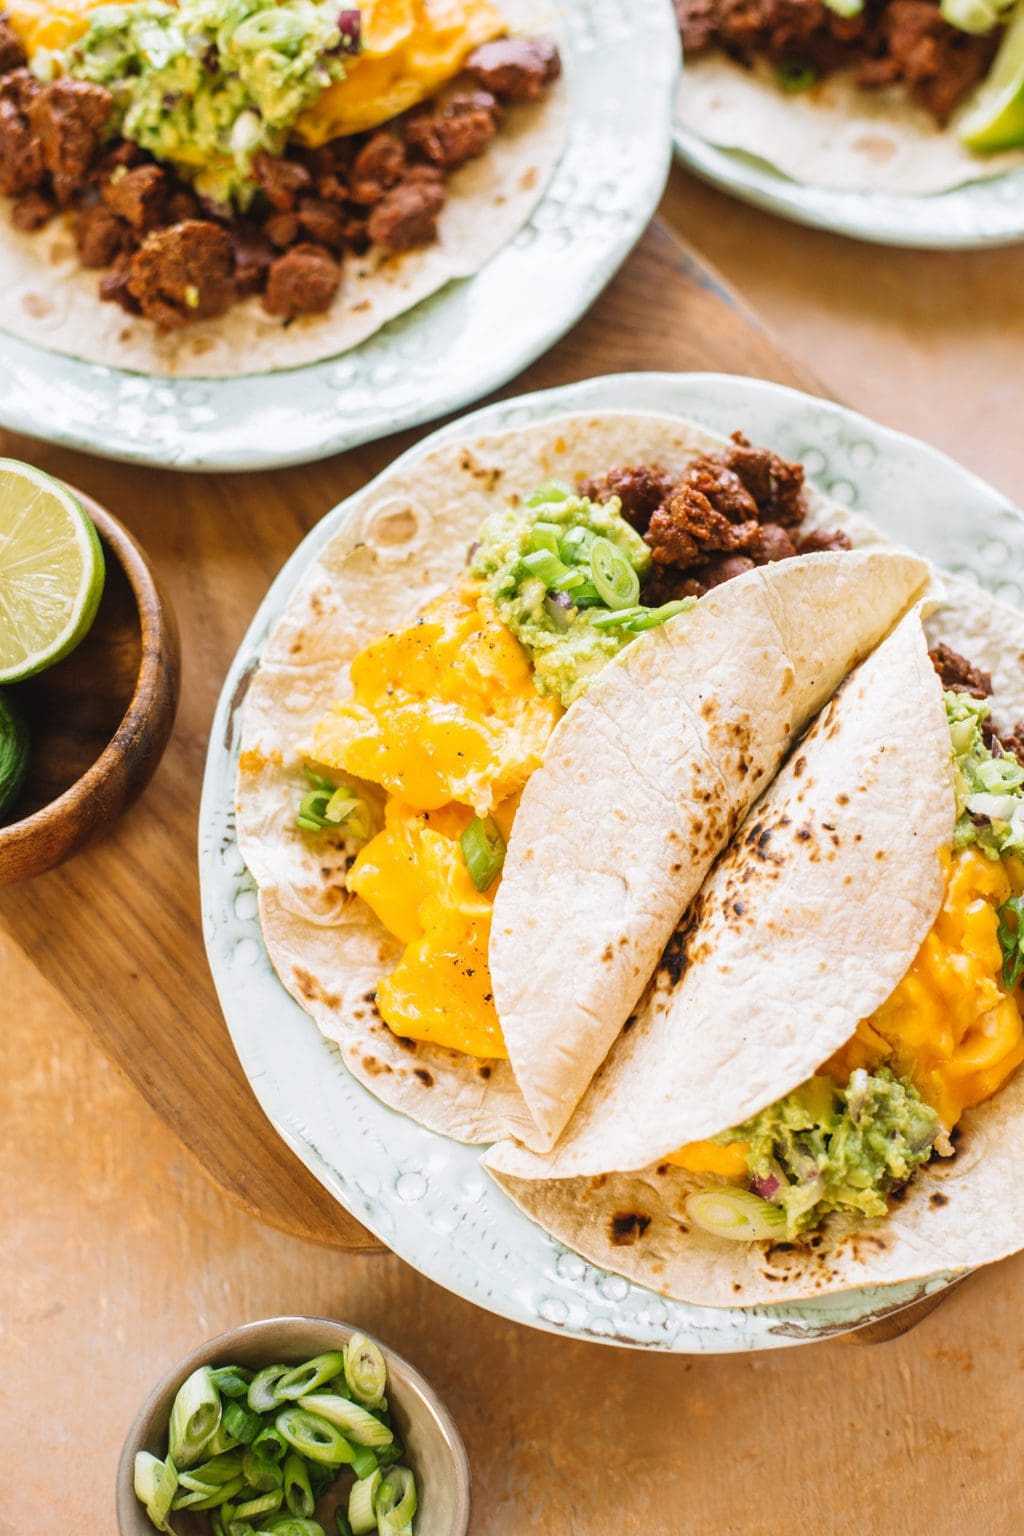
(995, 118)
(51, 571)
(13, 751)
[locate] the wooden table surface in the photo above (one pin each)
(119, 1253)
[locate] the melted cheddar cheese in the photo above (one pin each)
(444, 716)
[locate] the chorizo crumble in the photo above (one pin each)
(171, 258)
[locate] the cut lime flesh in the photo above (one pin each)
(51, 571)
(13, 751)
(995, 118)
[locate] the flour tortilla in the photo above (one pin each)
(48, 298)
(402, 543)
(644, 782)
(843, 928)
(833, 135)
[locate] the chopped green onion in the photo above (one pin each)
(652, 618)
(341, 1521)
(1011, 939)
(387, 1455)
(545, 536)
(313, 1437)
(156, 1483)
(616, 618)
(221, 1469)
(586, 595)
(241, 1423)
(269, 1444)
(263, 1389)
(396, 1502)
(575, 545)
(303, 1379)
(220, 1441)
(362, 1514)
(326, 806)
(260, 1471)
(232, 1380)
(551, 490)
(291, 1525)
(794, 77)
(357, 1423)
(364, 1461)
(738, 1214)
(617, 583)
(195, 1417)
(266, 1504)
(569, 582)
(209, 1500)
(544, 565)
(483, 849)
(298, 1495)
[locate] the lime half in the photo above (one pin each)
(51, 571)
(13, 751)
(995, 118)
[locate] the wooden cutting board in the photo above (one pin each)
(117, 931)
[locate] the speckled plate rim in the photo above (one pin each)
(978, 215)
(421, 1194)
(622, 66)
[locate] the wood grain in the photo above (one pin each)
(132, 964)
(100, 719)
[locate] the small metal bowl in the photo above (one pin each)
(433, 1445)
(100, 719)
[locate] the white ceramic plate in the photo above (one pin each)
(622, 65)
(978, 214)
(423, 1195)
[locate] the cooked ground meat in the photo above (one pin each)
(407, 215)
(461, 130)
(516, 69)
(1013, 742)
(775, 484)
(282, 229)
(378, 166)
(33, 210)
(772, 542)
(138, 196)
(958, 674)
(184, 272)
(12, 54)
(253, 256)
(21, 154)
(282, 180)
(303, 281)
(323, 222)
(814, 543)
(99, 235)
(70, 117)
(114, 284)
(641, 488)
(687, 530)
(888, 42)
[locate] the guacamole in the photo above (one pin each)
(824, 1148)
(989, 785)
(564, 574)
(207, 84)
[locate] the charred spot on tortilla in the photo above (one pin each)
(484, 1071)
(798, 767)
(425, 1077)
(938, 1199)
(376, 1068)
(627, 1227)
(608, 955)
(312, 990)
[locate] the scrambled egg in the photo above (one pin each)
(445, 716)
(950, 1026)
(410, 48)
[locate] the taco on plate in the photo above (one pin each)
(820, 1089)
(487, 611)
(221, 187)
(901, 96)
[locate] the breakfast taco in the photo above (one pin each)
(221, 187)
(899, 96)
(820, 1088)
(484, 609)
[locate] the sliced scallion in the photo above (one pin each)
(551, 490)
(651, 618)
(195, 1417)
(356, 1423)
(794, 77)
(221, 1469)
(298, 1495)
(366, 1372)
(263, 1504)
(362, 1501)
(483, 850)
(314, 1437)
(396, 1502)
(737, 1214)
(156, 1483)
(342, 1522)
(261, 1472)
(241, 1423)
(616, 618)
(364, 1461)
(209, 1500)
(232, 1380)
(290, 1525)
(269, 1444)
(263, 1389)
(545, 566)
(220, 1441)
(617, 583)
(545, 536)
(302, 1379)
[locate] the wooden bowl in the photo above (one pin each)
(100, 719)
(433, 1445)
